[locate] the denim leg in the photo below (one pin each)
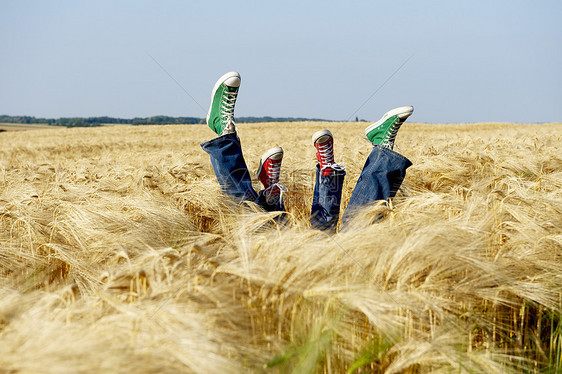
(380, 179)
(230, 168)
(326, 200)
(232, 173)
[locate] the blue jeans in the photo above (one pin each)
(382, 175)
(326, 200)
(380, 179)
(232, 173)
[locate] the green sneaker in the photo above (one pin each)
(220, 117)
(383, 132)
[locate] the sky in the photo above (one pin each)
(455, 61)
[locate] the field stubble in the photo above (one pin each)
(118, 254)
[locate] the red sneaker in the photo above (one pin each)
(324, 143)
(269, 170)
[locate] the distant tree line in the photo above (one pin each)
(155, 120)
(99, 121)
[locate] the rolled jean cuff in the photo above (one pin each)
(393, 153)
(335, 172)
(219, 139)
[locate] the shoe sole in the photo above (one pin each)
(270, 153)
(402, 112)
(318, 134)
(226, 77)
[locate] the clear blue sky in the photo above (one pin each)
(472, 60)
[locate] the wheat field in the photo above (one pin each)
(118, 254)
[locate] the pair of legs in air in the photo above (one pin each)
(380, 179)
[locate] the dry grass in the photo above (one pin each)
(118, 254)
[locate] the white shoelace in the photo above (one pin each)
(273, 173)
(326, 152)
(227, 111)
(269, 190)
(334, 166)
(393, 129)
